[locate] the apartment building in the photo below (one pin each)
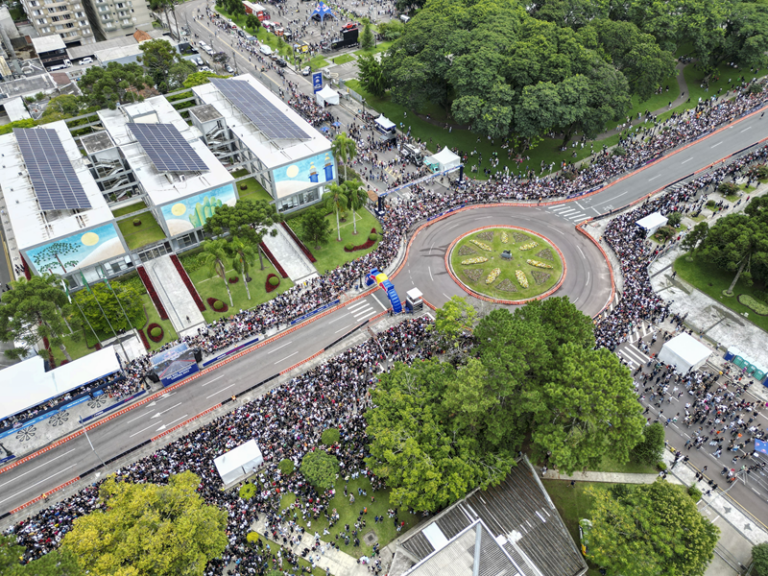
(85, 21)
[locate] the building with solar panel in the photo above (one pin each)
(247, 126)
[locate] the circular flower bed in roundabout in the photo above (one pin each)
(155, 332)
(505, 264)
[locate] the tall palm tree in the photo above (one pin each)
(335, 199)
(243, 256)
(214, 253)
(344, 148)
(356, 198)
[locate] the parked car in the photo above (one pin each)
(85, 61)
(280, 62)
(229, 69)
(306, 71)
(205, 69)
(199, 61)
(349, 26)
(266, 50)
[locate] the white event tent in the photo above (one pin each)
(684, 352)
(327, 96)
(27, 384)
(445, 160)
(652, 222)
(239, 462)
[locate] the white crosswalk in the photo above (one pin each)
(633, 356)
(361, 310)
(568, 212)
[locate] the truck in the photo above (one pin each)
(348, 39)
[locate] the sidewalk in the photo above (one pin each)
(177, 301)
(610, 477)
(294, 262)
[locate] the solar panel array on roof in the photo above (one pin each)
(54, 180)
(264, 115)
(167, 148)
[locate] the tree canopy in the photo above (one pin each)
(165, 65)
(113, 85)
(55, 563)
(111, 301)
(320, 469)
(149, 530)
(650, 530)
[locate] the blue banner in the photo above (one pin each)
(317, 81)
(115, 405)
(761, 446)
(315, 311)
(176, 376)
(221, 357)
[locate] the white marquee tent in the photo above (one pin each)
(385, 123)
(327, 96)
(239, 462)
(445, 160)
(27, 384)
(684, 352)
(652, 222)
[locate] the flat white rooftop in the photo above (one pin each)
(271, 153)
(161, 187)
(31, 225)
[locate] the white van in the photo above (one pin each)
(404, 18)
(266, 50)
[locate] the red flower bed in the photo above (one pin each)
(233, 280)
(269, 286)
(149, 332)
(64, 362)
(304, 249)
(367, 244)
(212, 300)
(272, 259)
(98, 346)
(151, 290)
(144, 339)
(188, 283)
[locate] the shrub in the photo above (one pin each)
(274, 281)
(286, 467)
(232, 279)
(373, 237)
(136, 222)
(760, 559)
(252, 537)
(728, 189)
(349, 247)
(674, 219)
(619, 151)
(320, 469)
(219, 306)
(330, 436)
(247, 491)
(694, 493)
(759, 307)
(665, 233)
(755, 88)
(651, 448)
(661, 465)
(711, 204)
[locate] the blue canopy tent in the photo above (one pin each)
(322, 10)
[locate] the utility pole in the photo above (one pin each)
(234, 60)
(85, 430)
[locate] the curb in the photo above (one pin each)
(203, 413)
(471, 292)
(43, 496)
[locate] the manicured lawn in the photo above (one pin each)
(343, 59)
(169, 334)
(76, 348)
(331, 254)
(253, 191)
(318, 62)
(211, 286)
(573, 505)
(130, 209)
(138, 236)
(713, 281)
(475, 275)
(380, 47)
(348, 513)
(631, 467)
(437, 136)
(303, 564)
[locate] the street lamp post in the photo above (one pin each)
(89, 441)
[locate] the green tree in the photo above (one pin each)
(371, 76)
(252, 22)
(61, 107)
(315, 228)
(674, 219)
(165, 65)
(200, 78)
(367, 41)
(335, 199)
(33, 311)
(125, 295)
(736, 243)
(320, 469)
(213, 256)
(344, 149)
(356, 198)
(149, 529)
(653, 530)
(54, 563)
(760, 559)
(251, 220)
(330, 436)
(243, 253)
(286, 467)
(650, 449)
(113, 85)
(391, 30)
(693, 239)
(454, 319)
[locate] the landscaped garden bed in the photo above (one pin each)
(155, 332)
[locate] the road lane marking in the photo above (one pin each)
(143, 429)
(37, 467)
(286, 358)
(745, 129)
(278, 348)
(217, 392)
(38, 483)
(164, 426)
(716, 145)
(379, 301)
(358, 304)
(345, 327)
(359, 313)
(214, 380)
(166, 410)
(430, 273)
(689, 159)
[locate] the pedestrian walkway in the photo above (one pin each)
(328, 558)
(181, 308)
(610, 477)
(291, 258)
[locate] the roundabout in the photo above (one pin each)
(585, 275)
(505, 264)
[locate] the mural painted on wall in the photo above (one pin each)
(77, 251)
(186, 215)
(304, 174)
